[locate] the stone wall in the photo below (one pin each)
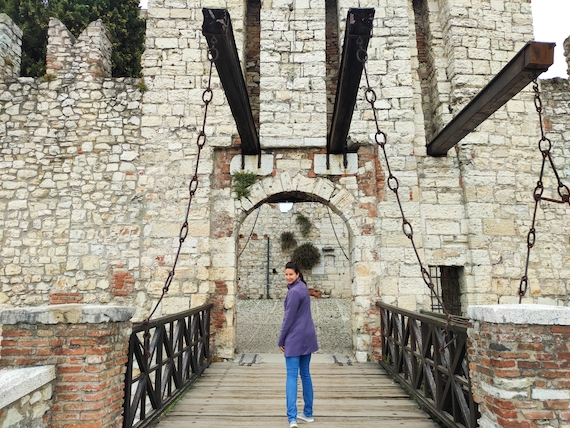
(70, 211)
(330, 278)
(95, 170)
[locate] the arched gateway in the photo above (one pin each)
(289, 185)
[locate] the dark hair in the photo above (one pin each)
(291, 265)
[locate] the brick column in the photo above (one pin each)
(88, 344)
(519, 360)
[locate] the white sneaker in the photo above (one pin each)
(293, 424)
(305, 418)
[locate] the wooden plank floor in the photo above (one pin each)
(231, 395)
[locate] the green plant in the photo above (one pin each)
(304, 224)
(48, 77)
(8, 62)
(306, 256)
(142, 86)
(122, 18)
(288, 241)
(241, 182)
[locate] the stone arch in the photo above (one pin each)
(318, 189)
(343, 202)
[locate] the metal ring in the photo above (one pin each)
(564, 195)
(522, 291)
(193, 185)
(410, 232)
(427, 278)
(183, 231)
(538, 102)
(540, 145)
(359, 57)
(538, 191)
(531, 238)
(207, 91)
(393, 183)
(371, 99)
(201, 136)
(213, 54)
(383, 135)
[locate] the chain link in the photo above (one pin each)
(394, 185)
(207, 97)
(545, 147)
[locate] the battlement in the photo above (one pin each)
(88, 55)
(84, 57)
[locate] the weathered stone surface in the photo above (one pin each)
(521, 314)
(71, 313)
(16, 383)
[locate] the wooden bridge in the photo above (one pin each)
(249, 394)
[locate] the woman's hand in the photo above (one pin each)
(282, 348)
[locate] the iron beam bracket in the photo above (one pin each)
(217, 27)
(356, 37)
(528, 64)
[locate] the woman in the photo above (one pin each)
(298, 340)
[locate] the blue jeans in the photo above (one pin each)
(296, 366)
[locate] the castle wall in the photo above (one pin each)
(329, 278)
(95, 170)
(70, 212)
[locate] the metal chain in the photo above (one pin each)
(393, 184)
(250, 234)
(207, 96)
(335, 235)
(545, 146)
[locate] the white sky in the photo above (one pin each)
(551, 24)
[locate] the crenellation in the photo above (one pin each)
(10, 48)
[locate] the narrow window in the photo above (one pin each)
(447, 281)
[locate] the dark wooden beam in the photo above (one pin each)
(529, 63)
(358, 27)
(218, 25)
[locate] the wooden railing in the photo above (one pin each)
(429, 364)
(177, 354)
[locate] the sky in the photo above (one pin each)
(551, 24)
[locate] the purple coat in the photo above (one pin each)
(298, 334)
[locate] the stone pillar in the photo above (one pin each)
(519, 359)
(88, 344)
(10, 48)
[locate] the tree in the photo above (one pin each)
(121, 17)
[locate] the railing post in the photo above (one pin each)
(87, 344)
(519, 357)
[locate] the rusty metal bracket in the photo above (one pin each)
(358, 28)
(217, 24)
(528, 63)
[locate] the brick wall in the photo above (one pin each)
(519, 365)
(89, 351)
